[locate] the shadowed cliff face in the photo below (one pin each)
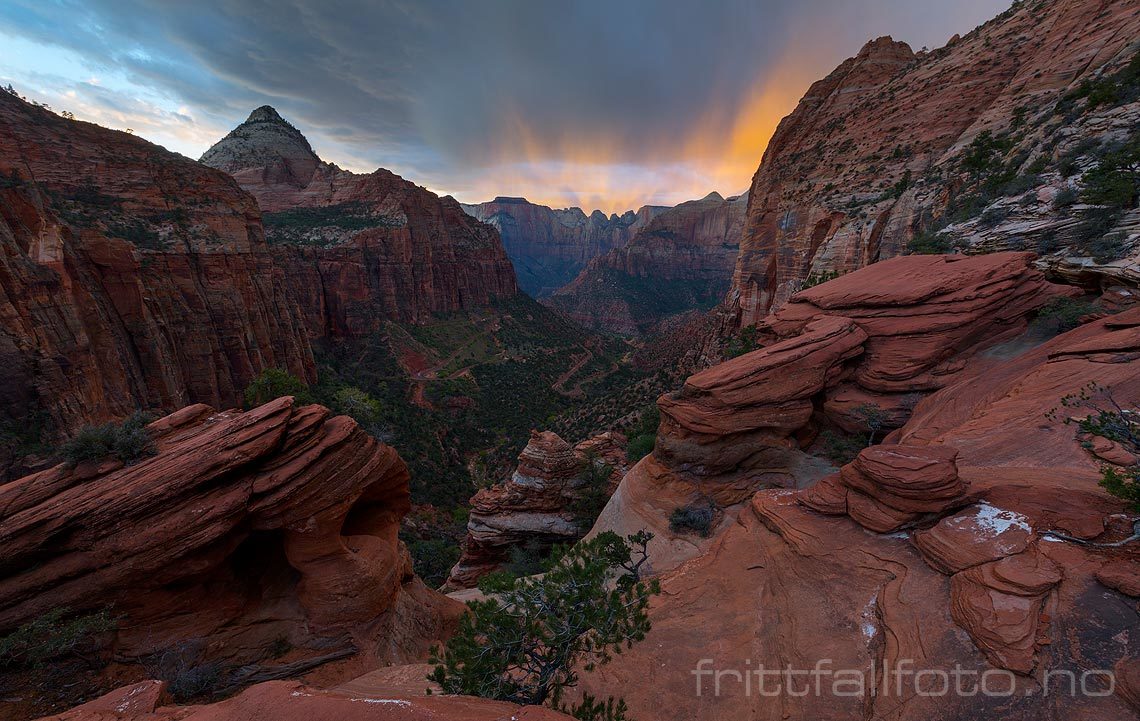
(891, 144)
(680, 261)
(129, 277)
(550, 247)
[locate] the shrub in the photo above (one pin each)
(56, 633)
(692, 518)
(529, 641)
(1111, 420)
(358, 405)
(929, 243)
(815, 279)
(127, 441)
(187, 677)
(1064, 199)
(1063, 314)
(873, 418)
(592, 709)
(744, 342)
(640, 447)
(273, 383)
(433, 559)
(593, 494)
(1108, 247)
(839, 448)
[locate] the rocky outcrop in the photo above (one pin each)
(244, 528)
(536, 507)
(293, 701)
(874, 153)
(129, 277)
(550, 247)
(880, 338)
(358, 250)
(680, 261)
(949, 546)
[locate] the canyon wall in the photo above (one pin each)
(550, 247)
(129, 277)
(985, 144)
(682, 260)
(360, 249)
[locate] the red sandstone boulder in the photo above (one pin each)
(1000, 605)
(972, 536)
(279, 522)
(886, 487)
(535, 506)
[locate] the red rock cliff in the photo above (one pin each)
(681, 260)
(873, 153)
(129, 277)
(549, 247)
(360, 249)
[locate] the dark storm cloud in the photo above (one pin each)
(441, 90)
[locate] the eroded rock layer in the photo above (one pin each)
(129, 277)
(360, 249)
(875, 153)
(243, 528)
(960, 543)
(537, 506)
(681, 260)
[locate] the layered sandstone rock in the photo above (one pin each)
(131, 277)
(680, 261)
(954, 556)
(550, 247)
(358, 250)
(280, 522)
(293, 701)
(879, 338)
(871, 155)
(535, 507)
(888, 487)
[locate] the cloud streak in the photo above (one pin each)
(608, 104)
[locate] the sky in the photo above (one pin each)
(608, 104)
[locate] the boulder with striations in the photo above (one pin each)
(243, 528)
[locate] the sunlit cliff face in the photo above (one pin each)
(614, 174)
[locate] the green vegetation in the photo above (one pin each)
(929, 243)
(594, 492)
(320, 225)
(57, 633)
(815, 279)
(273, 383)
(1063, 314)
(842, 448)
(492, 379)
(1112, 90)
(1113, 421)
(525, 643)
(743, 342)
(127, 441)
(693, 518)
(433, 558)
